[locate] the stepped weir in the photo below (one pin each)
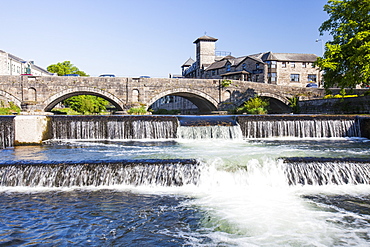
(35, 130)
(275, 180)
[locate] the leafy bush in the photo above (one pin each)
(11, 109)
(137, 110)
(167, 112)
(293, 103)
(86, 104)
(65, 111)
(255, 105)
(226, 83)
(338, 96)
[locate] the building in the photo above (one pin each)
(12, 65)
(274, 68)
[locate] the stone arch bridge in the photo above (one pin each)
(42, 93)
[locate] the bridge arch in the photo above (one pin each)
(51, 102)
(204, 102)
(10, 97)
(278, 103)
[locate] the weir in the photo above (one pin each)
(224, 180)
(208, 127)
(6, 131)
(30, 130)
(327, 171)
(307, 171)
(309, 126)
(113, 127)
(100, 173)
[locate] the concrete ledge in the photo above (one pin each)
(30, 130)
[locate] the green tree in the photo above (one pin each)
(86, 104)
(256, 105)
(65, 68)
(346, 61)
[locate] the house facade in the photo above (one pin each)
(274, 68)
(12, 65)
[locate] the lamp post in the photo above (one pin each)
(322, 46)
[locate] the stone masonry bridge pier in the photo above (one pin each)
(37, 94)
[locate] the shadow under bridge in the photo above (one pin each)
(204, 103)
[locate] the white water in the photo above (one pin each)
(244, 192)
(302, 128)
(209, 132)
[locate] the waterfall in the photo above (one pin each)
(113, 127)
(325, 171)
(299, 126)
(6, 131)
(208, 127)
(99, 173)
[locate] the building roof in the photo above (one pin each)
(11, 56)
(293, 57)
(188, 63)
(240, 72)
(205, 38)
(217, 65)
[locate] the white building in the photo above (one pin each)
(12, 65)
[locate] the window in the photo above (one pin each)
(272, 77)
(304, 65)
(257, 77)
(273, 64)
(228, 67)
(294, 77)
(244, 66)
(283, 64)
(292, 64)
(257, 65)
(311, 78)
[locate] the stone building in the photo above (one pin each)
(12, 65)
(268, 67)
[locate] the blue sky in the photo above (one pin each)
(154, 37)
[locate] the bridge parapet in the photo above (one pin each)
(42, 93)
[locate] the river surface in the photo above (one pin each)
(242, 197)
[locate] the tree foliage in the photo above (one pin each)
(86, 104)
(346, 61)
(65, 68)
(256, 105)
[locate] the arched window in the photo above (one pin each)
(135, 95)
(31, 95)
(226, 96)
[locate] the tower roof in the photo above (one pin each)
(205, 38)
(188, 63)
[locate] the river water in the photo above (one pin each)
(208, 190)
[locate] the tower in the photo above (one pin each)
(205, 52)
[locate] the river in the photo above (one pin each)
(209, 186)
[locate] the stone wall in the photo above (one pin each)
(357, 105)
(42, 93)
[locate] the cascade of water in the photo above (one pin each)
(306, 127)
(113, 127)
(324, 171)
(6, 131)
(208, 127)
(98, 173)
(209, 132)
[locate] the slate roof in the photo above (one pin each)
(293, 57)
(205, 38)
(23, 61)
(188, 62)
